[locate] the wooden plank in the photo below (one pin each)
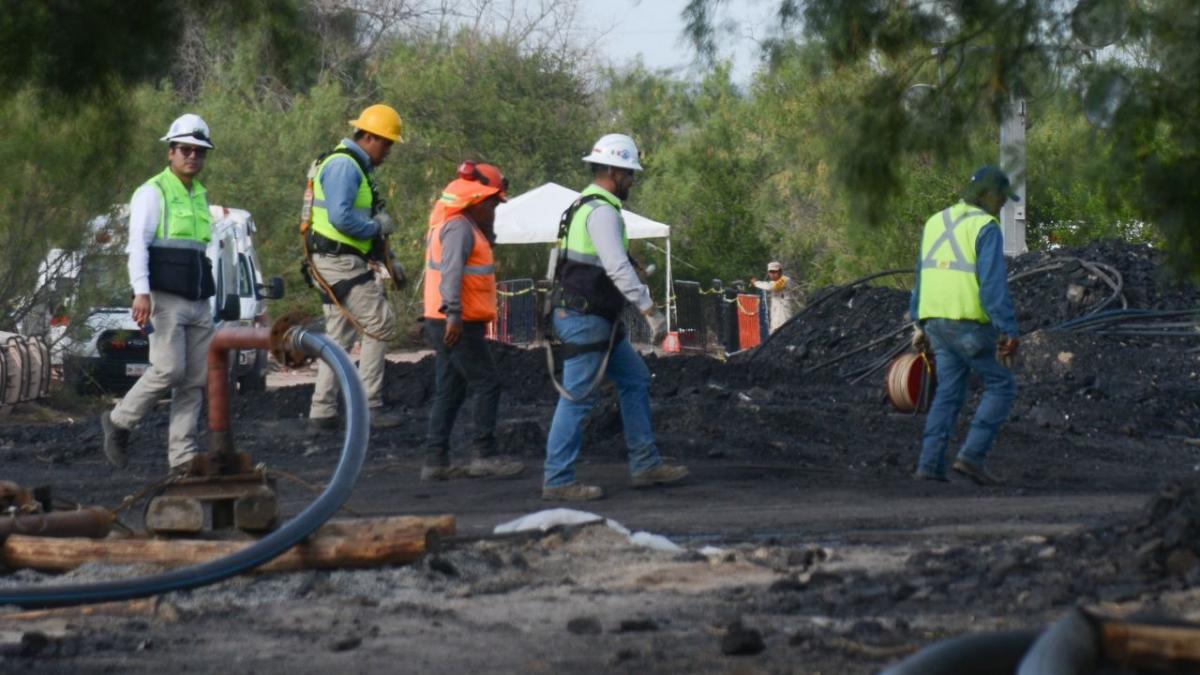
(346, 543)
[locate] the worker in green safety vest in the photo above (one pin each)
(963, 310)
(347, 215)
(594, 281)
(169, 230)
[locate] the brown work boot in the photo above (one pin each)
(499, 467)
(116, 441)
(323, 423)
(660, 475)
(573, 492)
(432, 472)
(977, 473)
(385, 420)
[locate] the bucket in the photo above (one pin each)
(910, 382)
(671, 343)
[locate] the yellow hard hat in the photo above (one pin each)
(381, 120)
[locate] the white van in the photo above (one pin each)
(108, 352)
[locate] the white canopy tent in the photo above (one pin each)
(532, 218)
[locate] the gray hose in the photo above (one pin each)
(1070, 646)
(975, 654)
(341, 484)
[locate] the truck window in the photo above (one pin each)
(245, 277)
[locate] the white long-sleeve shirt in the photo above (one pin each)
(144, 210)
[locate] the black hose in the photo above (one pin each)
(354, 450)
(1070, 646)
(837, 290)
(976, 654)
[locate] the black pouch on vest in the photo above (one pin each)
(183, 272)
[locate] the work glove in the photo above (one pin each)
(1006, 351)
(385, 223)
(920, 341)
(657, 322)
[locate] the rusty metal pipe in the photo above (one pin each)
(225, 340)
(90, 521)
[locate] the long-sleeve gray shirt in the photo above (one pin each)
(458, 238)
(607, 232)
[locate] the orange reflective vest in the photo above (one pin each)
(478, 280)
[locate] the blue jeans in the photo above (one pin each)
(961, 347)
(627, 371)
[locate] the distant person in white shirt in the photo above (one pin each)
(781, 295)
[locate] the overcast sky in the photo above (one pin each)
(654, 29)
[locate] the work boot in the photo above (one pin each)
(925, 475)
(116, 441)
(323, 423)
(977, 473)
(385, 420)
(572, 492)
(482, 467)
(660, 475)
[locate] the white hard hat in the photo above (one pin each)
(616, 150)
(189, 129)
(774, 266)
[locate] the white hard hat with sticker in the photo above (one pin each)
(189, 129)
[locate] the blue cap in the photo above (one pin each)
(992, 178)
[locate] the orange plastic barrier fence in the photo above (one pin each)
(749, 334)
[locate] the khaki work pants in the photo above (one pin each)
(178, 365)
(367, 303)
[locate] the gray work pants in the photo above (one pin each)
(178, 364)
(367, 303)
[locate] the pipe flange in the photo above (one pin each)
(284, 347)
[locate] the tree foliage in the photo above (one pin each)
(1142, 91)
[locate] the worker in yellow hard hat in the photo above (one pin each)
(347, 216)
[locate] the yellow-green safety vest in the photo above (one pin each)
(949, 284)
(362, 206)
(184, 220)
(578, 243)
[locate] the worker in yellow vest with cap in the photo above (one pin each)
(347, 214)
(169, 231)
(964, 311)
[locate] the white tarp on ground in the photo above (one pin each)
(532, 217)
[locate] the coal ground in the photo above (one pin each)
(831, 560)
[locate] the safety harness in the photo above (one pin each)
(335, 294)
(560, 297)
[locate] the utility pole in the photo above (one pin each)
(1012, 161)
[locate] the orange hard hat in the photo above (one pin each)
(476, 182)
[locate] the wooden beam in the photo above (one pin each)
(343, 543)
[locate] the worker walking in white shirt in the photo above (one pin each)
(781, 295)
(169, 230)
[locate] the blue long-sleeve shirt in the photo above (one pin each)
(340, 180)
(993, 282)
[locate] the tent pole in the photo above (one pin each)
(668, 284)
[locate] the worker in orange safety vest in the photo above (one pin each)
(460, 302)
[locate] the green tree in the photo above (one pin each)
(1142, 92)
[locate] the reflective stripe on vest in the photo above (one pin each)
(478, 294)
(949, 286)
(362, 205)
(183, 217)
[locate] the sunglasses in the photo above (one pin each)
(189, 150)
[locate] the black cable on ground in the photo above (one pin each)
(837, 290)
(354, 449)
